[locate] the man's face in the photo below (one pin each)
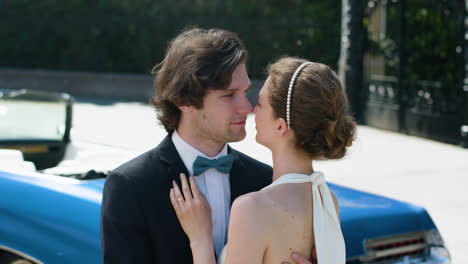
(223, 116)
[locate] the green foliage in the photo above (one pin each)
(132, 35)
(433, 41)
(434, 37)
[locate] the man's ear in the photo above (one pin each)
(281, 126)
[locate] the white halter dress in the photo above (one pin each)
(329, 242)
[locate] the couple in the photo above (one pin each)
(153, 213)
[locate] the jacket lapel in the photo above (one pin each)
(237, 176)
(171, 158)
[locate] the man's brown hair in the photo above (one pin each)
(322, 125)
(196, 60)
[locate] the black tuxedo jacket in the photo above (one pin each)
(138, 223)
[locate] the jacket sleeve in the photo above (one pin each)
(124, 233)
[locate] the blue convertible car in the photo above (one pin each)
(50, 196)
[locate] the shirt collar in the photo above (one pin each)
(188, 154)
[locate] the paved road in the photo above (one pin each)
(424, 172)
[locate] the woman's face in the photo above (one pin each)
(264, 119)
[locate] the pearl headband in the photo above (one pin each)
(291, 84)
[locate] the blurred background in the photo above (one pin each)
(131, 36)
(403, 62)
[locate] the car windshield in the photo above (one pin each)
(31, 116)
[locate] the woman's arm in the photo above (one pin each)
(203, 252)
(194, 214)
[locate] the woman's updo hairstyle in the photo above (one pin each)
(319, 114)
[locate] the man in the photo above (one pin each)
(200, 100)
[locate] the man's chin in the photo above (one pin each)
(237, 137)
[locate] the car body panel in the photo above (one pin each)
(365, 215)
(56, 219)
(50, 218)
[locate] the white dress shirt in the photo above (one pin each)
(214, 185)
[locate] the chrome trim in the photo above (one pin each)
(18, 253)
(372, 252)
(398, 250)
(422, 242)
(375, 242)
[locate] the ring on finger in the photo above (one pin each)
(180, 199)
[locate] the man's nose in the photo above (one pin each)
(245, 107)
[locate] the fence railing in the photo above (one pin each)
(422, 108)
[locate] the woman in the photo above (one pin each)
(302, 116)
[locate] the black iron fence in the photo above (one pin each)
(415, 68)
(423, 108)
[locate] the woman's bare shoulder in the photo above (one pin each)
(250, 203)
(254, 208)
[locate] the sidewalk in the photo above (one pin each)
(424, 172)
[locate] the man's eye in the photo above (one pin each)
(229, 95)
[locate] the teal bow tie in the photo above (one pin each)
(223, 164)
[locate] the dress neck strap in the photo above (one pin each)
(316, 178)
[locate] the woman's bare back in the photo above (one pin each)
(279, 221)
(288, 215)
(268, 225)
